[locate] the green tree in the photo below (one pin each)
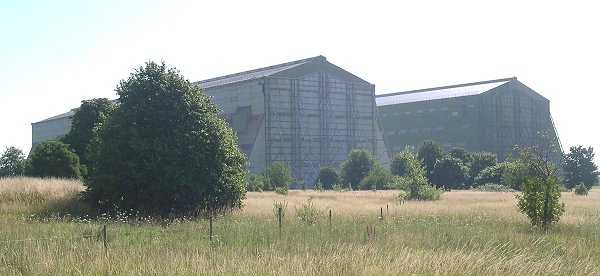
(378, 178)
(429, 153)
(12, 162)
(514, 174)
(450, 173)
(479, 161)
(328, 176)
(89, 116)
(164, 150)
(53, 159)
(581, 189)
(540, 197)
(579, 167)
(414, 181)
(255, 183)
(399, 162)
(358, 164)
(491, 175)
(277, 175)
(463, 155)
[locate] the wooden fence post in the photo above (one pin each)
(381, 217)
(279, 211)
(330, 218)
(104, 240)
(210, 227)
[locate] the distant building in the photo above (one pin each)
(52, 128)
(307, 113)
(489, 116)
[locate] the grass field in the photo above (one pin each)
(466, 233)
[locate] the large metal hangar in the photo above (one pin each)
(489, 116)
(308, 113)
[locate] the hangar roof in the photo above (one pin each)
(294, 69)
(436, 93)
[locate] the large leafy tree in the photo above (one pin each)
(53, 159)
(579, 167)
(450, 173)
(12, 162)
(89, 116)
(429, 153)
(540, 197)
(356, 166)
(164, 150)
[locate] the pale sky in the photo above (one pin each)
(53, 54)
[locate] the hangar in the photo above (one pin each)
(307, 113)
(491, 116)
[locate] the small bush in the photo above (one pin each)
(581, 190)
(303, 185)
(492, 187)
(281, 190)
(254, 183)
(424, 192)
(307, 213)
(337, 187)
(318, 186)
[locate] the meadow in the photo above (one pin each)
(465, 233)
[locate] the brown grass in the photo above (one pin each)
(465, 233)
(22, 194)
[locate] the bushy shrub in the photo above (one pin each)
(377, 179)
(429, 153)
(479, 161)
(307, 212)
(513, 175)
(415, 183)
(337, 187)
(398, 164)
(328, 176)
(53, 159)
(581, 189)
(277, 175)
(450, 172)
(358, 164)
(318, 186)
(255, 183)
(540, 197)
(540, 202)
(281, 190)
(491, 175)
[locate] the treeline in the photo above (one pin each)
(456, 168)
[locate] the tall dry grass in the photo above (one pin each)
(28, 194)
(465, 233)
